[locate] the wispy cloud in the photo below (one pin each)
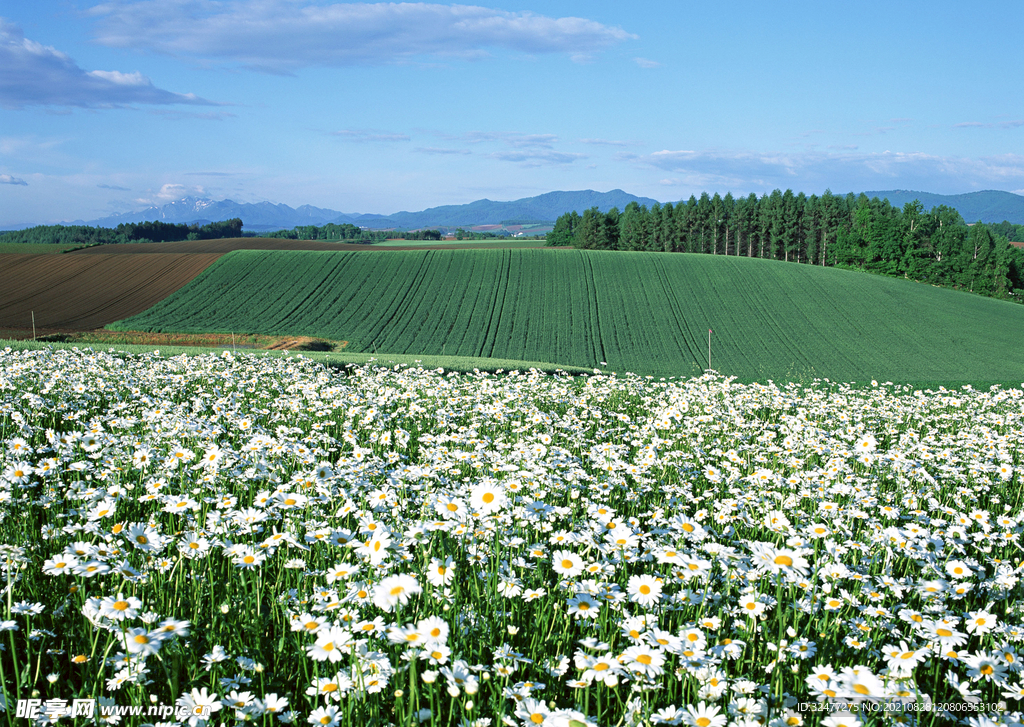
(876, 131)
(513, 139)
(8, 179)
(1016, 123)
(538, 157)
(437, 150)
(39, 75)
(113, 187)
(604, 142)
(513, 146)
(646, 63)
(178, 115)
(282, 36)
(368, 135)
(807, 171)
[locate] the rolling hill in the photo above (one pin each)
(648, 313)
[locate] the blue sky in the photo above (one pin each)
(381, 107)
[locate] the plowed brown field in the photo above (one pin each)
(81, 292)
(220, 247)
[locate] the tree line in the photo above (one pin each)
(349, 232)
(124, 233)
(330, 231)
(851, 231)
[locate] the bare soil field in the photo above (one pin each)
(81, 292)
(221, 247)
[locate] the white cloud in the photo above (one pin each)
(815, 171)
(646, 63)
(281, 36)
(171, 193)
(39, 75)
(8, 179)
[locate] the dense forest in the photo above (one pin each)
(936, 247)
(126, 232)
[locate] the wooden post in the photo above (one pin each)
(33, 325)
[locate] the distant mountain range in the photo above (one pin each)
(266, 216)
(986, 206)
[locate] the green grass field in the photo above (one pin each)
(640, 312)
(512, 243)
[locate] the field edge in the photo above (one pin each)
(334, 359)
